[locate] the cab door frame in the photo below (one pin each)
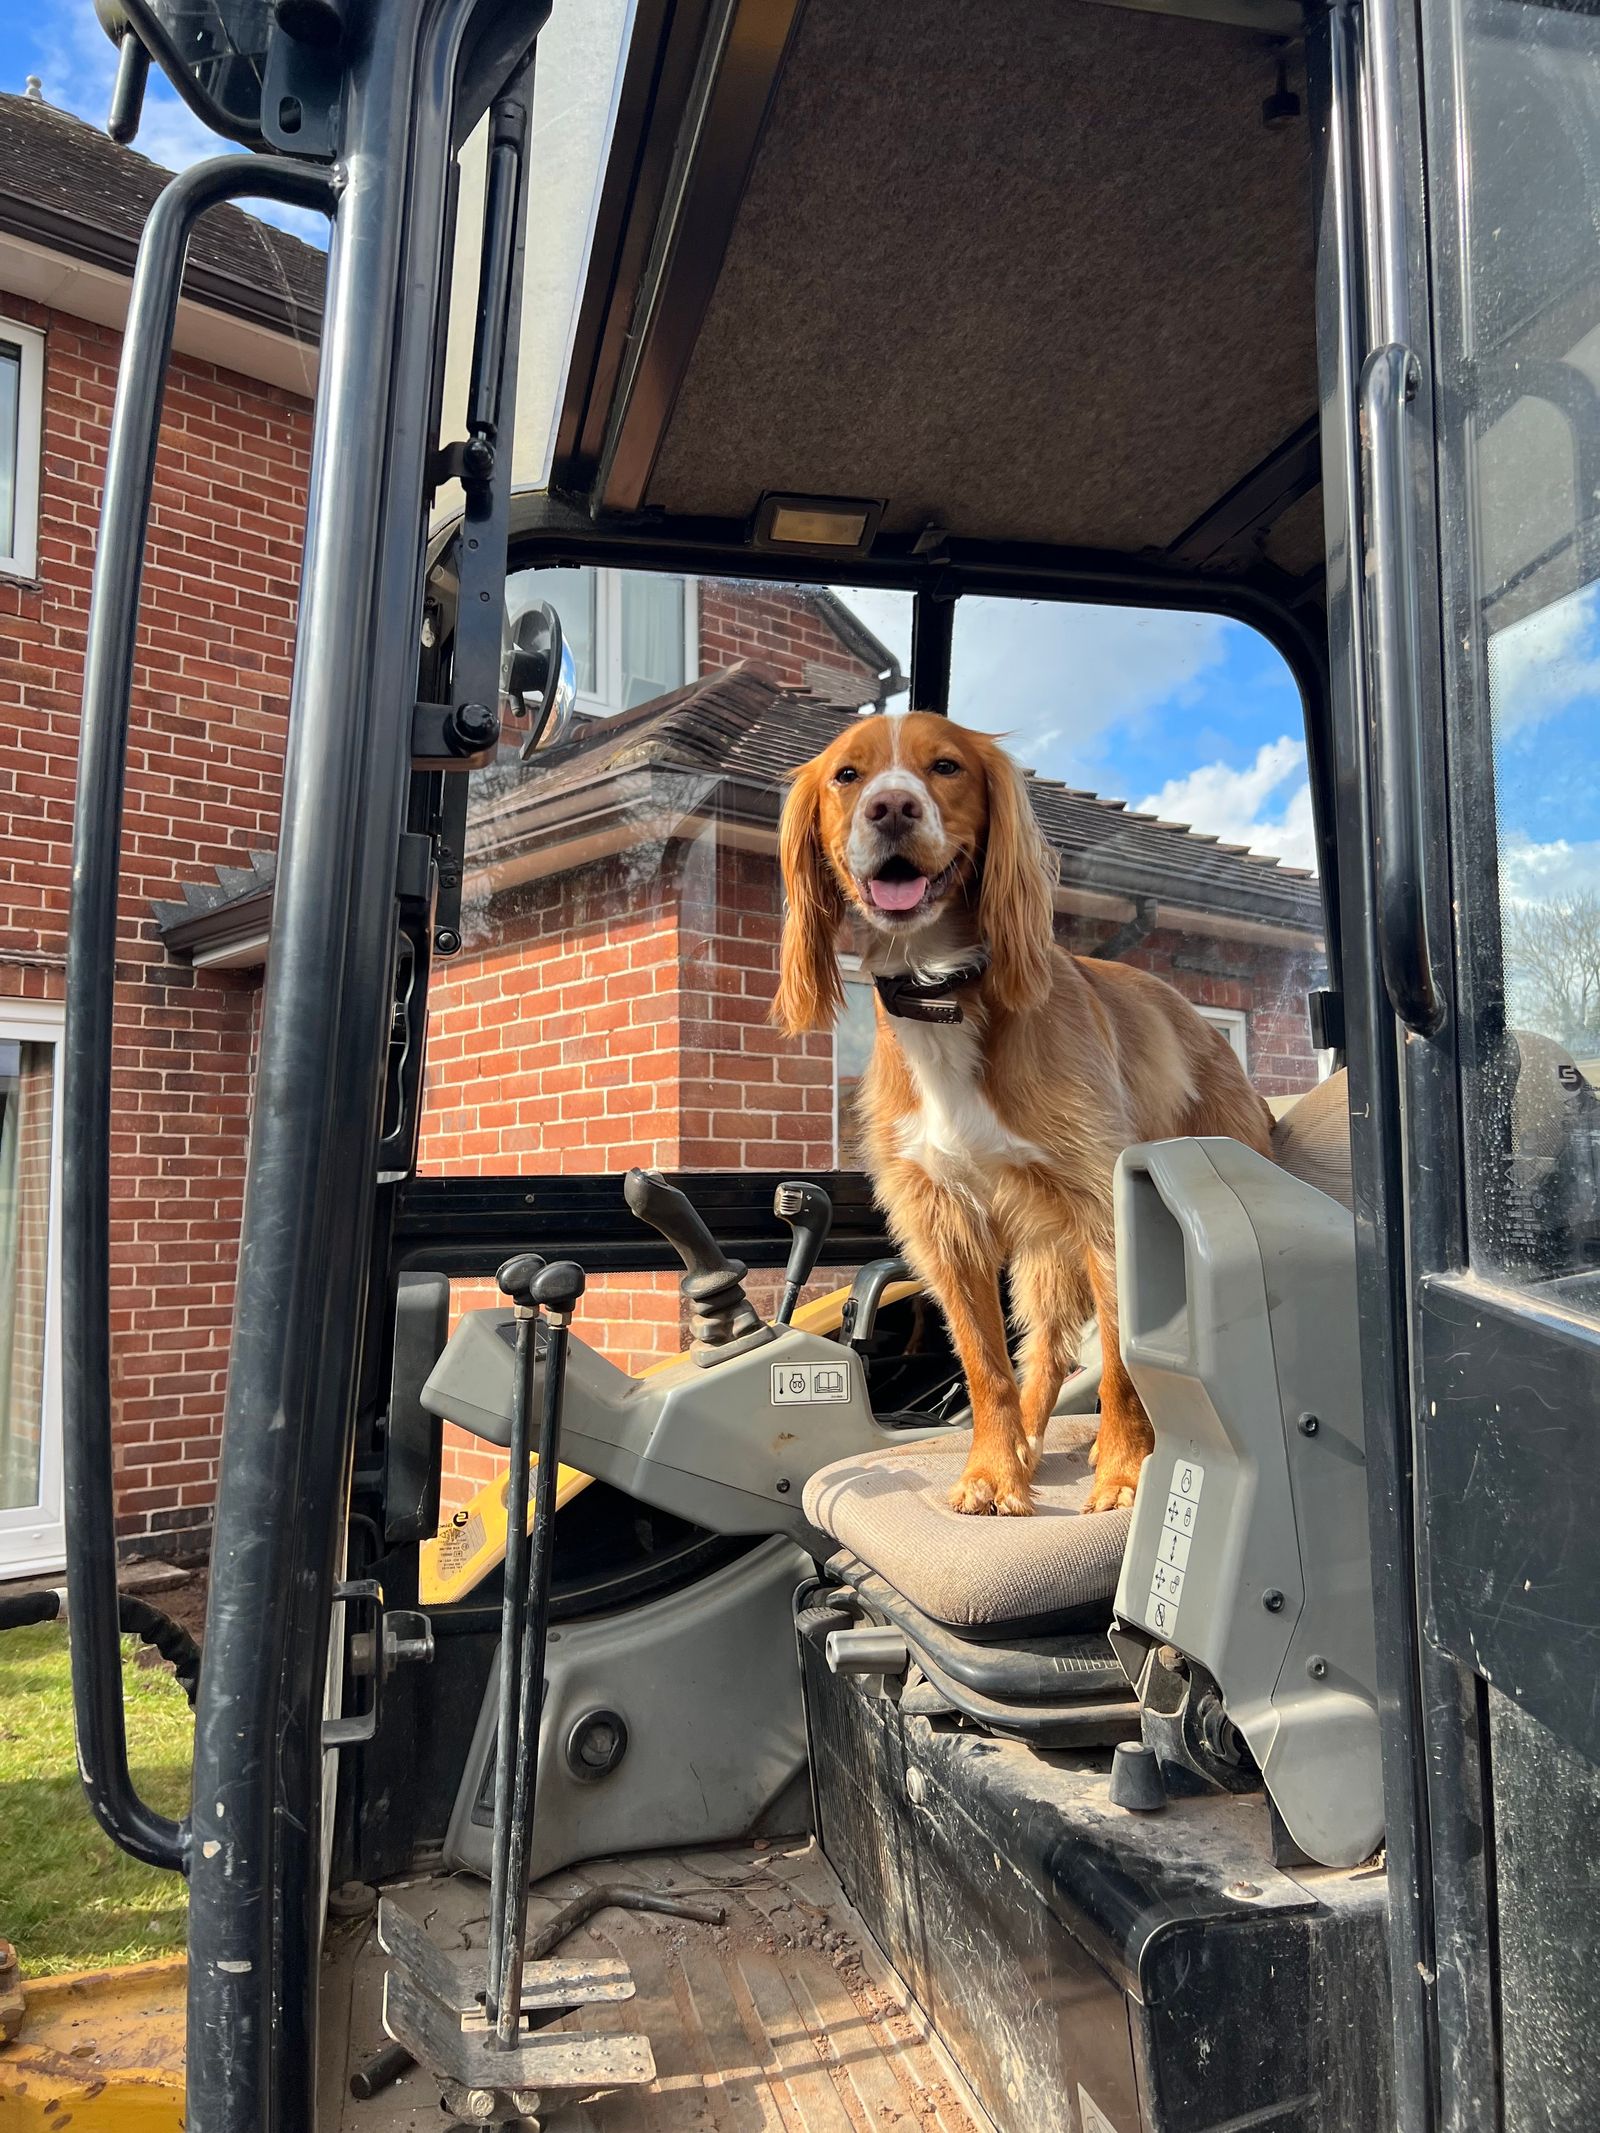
(1373, 316)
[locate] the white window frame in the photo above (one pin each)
(23, 559)
(33, 1536)
(1234, 1024)
(607, 698)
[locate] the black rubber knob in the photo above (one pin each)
(559, 1286)
(1136, 1778)
(517, 1277)
(674, 1216)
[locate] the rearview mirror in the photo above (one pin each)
(538, 679)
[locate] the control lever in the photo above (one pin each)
(859, 1319)
(720, 1313)
(809, 1214)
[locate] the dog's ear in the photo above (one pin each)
(810, 992)
(1016, 894)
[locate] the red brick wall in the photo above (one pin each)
(781, 628)
(1264, 981)
(209, 709)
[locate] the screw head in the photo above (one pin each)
(1309, 1425)
(783, 1488)
(447, 941)
(1244, 1891)
(1272, 1600)
(1317, 1666)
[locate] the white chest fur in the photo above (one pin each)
(953, 1133)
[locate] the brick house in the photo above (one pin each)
(208, 725)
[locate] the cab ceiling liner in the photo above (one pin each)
(1036, 273)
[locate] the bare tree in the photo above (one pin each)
(1552, 966)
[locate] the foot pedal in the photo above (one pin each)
(433, 2005)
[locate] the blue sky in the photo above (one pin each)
(62, 42)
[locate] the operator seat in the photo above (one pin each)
(1007, 1617)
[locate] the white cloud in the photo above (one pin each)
(1548, 873)
(77, 63)
(1545, 663)
(1266, 805)
(1060, 680)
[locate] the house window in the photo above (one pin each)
(853, 1037)
(30, 1438)
(634, 635)
(1234, 1025)
(21, 407)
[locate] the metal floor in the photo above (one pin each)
(782, 2020)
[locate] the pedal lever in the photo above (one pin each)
(532, 1286)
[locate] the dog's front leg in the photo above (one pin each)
(962, 1269)
(1125, 1439)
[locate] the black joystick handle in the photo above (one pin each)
(558, 1288)
(517, 1277)
(713, 1284)
(809, 1213)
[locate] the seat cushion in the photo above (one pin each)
(981, 1575)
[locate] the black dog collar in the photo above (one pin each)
(928, 999)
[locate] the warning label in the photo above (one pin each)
(807, 1384)
(1172, 1555)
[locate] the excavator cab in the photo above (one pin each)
(695, 375)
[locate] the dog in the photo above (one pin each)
(1007, 1075)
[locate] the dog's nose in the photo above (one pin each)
(894, 810)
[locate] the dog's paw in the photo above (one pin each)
(1001, 1492)
(1113, 1490)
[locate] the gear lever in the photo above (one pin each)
(809, 1214)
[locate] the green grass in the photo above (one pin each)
(69, 1899)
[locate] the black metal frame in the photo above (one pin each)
(91, 968)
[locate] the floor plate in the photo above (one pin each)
(779, 2021)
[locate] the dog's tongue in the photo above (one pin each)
(898, 895)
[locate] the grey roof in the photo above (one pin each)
(66, 185)
(725, 746)
(731, 740)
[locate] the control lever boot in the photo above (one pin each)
(720, 1313)
(809, 1214)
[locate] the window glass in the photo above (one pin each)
(27, 1113)
(21, 415)
(10, 404)
(651, 631)
(1168, 770)
(1520, 342)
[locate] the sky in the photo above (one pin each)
(1190, 717)
(62, 42)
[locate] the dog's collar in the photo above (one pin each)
(929, 999)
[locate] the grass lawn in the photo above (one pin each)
(68, 1898)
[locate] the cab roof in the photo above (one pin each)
(1018, 273)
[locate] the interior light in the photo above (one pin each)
(844, 524)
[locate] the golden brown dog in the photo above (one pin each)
(1007, 1075)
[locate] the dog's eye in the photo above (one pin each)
(846, 776)
(947, 767)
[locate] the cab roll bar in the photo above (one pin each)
(91, 977)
